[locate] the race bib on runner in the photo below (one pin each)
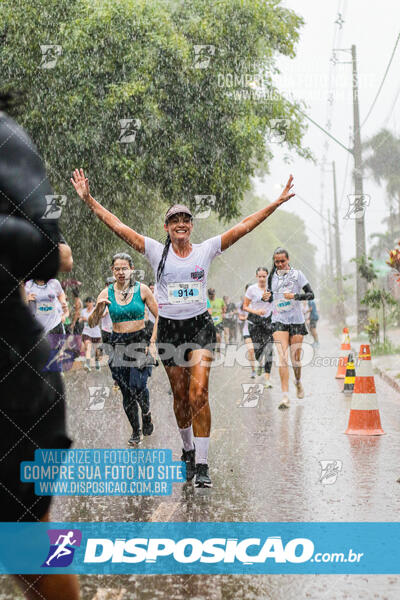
(45, 307)
(283, 305)
(185, 293)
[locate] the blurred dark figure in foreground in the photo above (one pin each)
(32, 405)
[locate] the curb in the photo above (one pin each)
(392, 382)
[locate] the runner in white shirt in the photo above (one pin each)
(106, 331)
(186, 332)
(91, 336)
(259, 309)
(288, 288)
(46, 298)
(243, 317)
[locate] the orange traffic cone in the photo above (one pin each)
(344, 352)
(364, 413)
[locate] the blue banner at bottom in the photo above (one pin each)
(200, 548)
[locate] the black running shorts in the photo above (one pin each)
(292, 328)
(176, 338)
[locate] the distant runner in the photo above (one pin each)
(259, 309)
(289, 287)
(218, 309)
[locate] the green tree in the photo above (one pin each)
(375, 297)
(383, 243)
(193, 134)
(378, 298)
(383, 162)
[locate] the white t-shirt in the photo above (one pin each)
(254, 293)
(245, 330)
(106, 323)
(46, 304)
(182, 289)
(150, 315)
(287, 311)
(93, 332)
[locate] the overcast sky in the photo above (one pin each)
(373, 27)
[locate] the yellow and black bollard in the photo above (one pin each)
(350, 376)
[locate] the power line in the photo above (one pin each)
(312, 207)
(392, 109)
(383, 80)
(324, 130)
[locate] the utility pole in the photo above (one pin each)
(362, 311)
(339, 277)
(331, 269)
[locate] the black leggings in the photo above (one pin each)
(261, 336)
(132, 396)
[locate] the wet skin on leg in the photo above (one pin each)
(281, 339)
(295, 343)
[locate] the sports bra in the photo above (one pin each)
(134, 311)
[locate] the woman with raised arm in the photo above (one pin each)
(185, 326)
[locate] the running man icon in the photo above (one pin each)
(61, 553)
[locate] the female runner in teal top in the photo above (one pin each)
(126, 301)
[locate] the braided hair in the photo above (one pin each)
(164, 255)
(278, 250)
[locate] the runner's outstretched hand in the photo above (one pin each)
(81, 184)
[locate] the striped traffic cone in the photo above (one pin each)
(350, 376)
(344, 350)
(364, 413)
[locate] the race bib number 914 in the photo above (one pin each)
(185, 293)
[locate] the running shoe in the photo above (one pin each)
(202, 477)
(299, 389)
(148, 426)
(135, 439)
(268, 385)
(189, 457)
(253, 375)
(285, 402)
(259, 370)
(87, 367)
(97, 365)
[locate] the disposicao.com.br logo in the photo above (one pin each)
(247, 551)
(62, 547)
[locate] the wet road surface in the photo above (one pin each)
(264, 465)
